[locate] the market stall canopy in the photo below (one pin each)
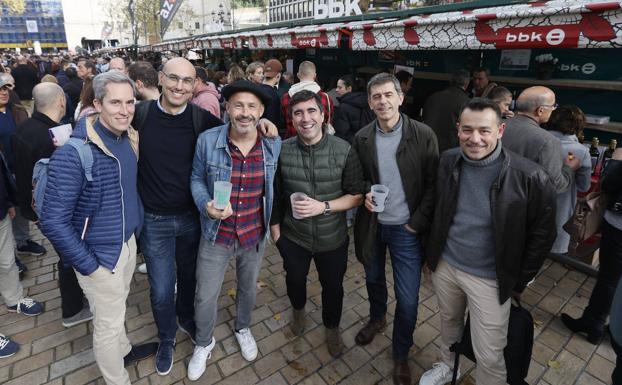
(541, 24)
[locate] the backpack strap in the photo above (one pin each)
(140, 114)
(197, 119)
(86, 156)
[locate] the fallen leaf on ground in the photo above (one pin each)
(231, 292)
(261, 285)
(554, 364)
(277, 316)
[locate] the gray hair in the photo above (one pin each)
(102, 80)
(529, 105)
(383, 78)
(460, 78)
(46, 94)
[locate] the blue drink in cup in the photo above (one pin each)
(222, 193)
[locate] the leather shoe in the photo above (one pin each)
(366, 335)
(140, 352)
(401, 373)
(594, 330)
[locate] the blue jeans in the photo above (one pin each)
(170, 244)
(406, 256)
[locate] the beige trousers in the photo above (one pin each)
(10, 287)
(107, 292)
(455, 291)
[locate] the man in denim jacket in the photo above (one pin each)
(237, 153)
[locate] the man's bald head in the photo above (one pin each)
(49, 100)
(179, 63)
(306, 71)
(22, 60)
(537, 102)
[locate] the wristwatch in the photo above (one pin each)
(326, 208)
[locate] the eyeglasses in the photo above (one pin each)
(175, 79)
(551, 106)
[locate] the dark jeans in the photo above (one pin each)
(608, 275)
(170, 244)
(406, 256)
(71, 295)
(331, 267)
(616, 376)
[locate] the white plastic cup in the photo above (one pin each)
(295, 197)
(379, 193)
(222, 193)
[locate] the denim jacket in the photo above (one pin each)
(212, 163)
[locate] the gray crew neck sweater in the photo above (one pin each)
(470, 242)
(396, 210)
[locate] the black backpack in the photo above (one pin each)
(517, 353)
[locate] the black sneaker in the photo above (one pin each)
(189, 328)
(164, 358)
(140, 352)
(31, 248)
(21, 268)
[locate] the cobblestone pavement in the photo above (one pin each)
(54, 355)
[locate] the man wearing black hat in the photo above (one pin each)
(234, 225)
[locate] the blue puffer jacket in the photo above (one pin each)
(72, 207)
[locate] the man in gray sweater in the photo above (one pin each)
(524, 136)
(493, 222)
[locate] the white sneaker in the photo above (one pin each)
(198, 362)
(247, 344)
(440, 374)
(142, 268)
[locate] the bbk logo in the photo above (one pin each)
(585, 69)
(324, 9)
(555, 36)
(307, 42)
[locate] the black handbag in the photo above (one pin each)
(517, 353)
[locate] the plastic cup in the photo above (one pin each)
(295, 197)
(379, 193)
(222, 193)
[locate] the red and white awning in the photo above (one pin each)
(553, 24)
(542, 24)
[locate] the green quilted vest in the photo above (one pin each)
(316, 171)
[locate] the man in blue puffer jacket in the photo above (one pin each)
(94, 224)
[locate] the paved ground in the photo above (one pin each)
(55, 355)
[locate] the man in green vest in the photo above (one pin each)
(325, 174)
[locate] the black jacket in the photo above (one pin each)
(7, 189)
(31, 142)
(417, 161)
(523, 214)
(352, 114)
(73, 88)
(611, 183)
(441, 112)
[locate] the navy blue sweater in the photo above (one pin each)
(122, 150)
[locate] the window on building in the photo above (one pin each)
(197, 25)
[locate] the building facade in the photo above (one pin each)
(40, 27)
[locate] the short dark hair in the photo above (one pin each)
(303, 96)
(143, 71)
(201, 74)
(569, 120)
(482, 69)
(353, 81)
(403, 76)
(481, 104)
(89, 65)
(498, 93)
(460, 78)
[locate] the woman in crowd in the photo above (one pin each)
(592, 322)
(565, 123)
(254, 72)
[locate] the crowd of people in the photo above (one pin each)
(478, 193)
